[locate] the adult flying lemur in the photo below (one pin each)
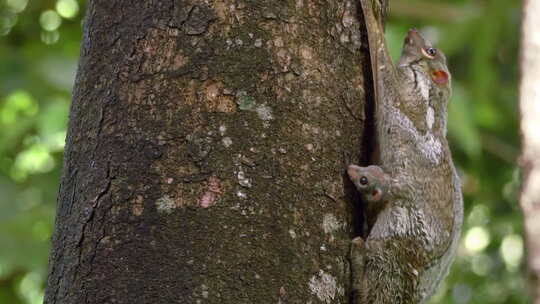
(413, 193)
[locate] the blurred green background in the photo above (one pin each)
(39, 46)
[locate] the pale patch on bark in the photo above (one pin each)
(165, 205)
(324, 286)
(241, 194)
(330, 223)
(264, 112)
(222, 130)
(292, 233)
(243, 180)
(227, 141)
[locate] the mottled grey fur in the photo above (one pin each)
(416, 197)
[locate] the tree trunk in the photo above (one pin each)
(530, 128)
(206, 151)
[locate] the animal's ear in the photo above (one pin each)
(440, 77)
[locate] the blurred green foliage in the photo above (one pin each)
(39, 46)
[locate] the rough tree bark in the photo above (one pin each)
(530, 130)
(206, 151)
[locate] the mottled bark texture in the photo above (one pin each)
(206, 153)
(530, 130)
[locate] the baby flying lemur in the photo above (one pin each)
(413, 194)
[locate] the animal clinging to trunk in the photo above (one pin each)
(412, 192)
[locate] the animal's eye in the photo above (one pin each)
(431, 52)
(363, 180)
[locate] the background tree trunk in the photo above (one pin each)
(530, 129)
(206, 152)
